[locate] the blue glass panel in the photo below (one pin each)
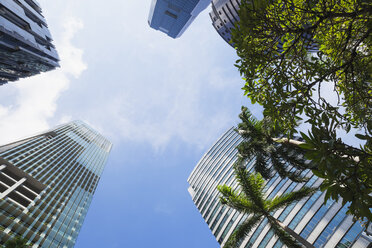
(331, 227)
(266, 239)
(316, 218)
(351, 235)
(290, 207)
(305, 208)
(256, 233)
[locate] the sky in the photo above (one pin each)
(162, 102)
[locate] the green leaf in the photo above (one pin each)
(317, 173)
(325, 119)
(306, 146)
(362, 137)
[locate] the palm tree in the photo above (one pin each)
(260, 142)
(344, 169)
(250, 199)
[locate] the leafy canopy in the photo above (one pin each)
(292, 52)
(346, 171)
(289, 48)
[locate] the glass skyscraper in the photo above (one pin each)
(26, 45)
(173, 17)
(223, 15)
(47, 183)
(321, 225)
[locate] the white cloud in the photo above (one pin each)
(172, 98)
(183, 121)
(144, 87)
(35, 98)
(141, 86)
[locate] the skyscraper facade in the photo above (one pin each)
(47, 183)
(26, 45)
(173, 17)
(321, 225)
(223, 15)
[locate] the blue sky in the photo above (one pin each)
(162, 102)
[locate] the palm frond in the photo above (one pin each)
(245, 149)
(254, 148)
(235, 200)
(283, 236)
(247, 118)
(252, 185)
(288, 198)
(292, 154)
(250, 127)
(281, 167)
(261, 167)
(242, 231)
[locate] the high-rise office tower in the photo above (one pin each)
(47, 183)
(224, 14)
(25, 41)
(321, 225)
(173, 17)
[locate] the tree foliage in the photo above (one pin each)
(346, 171)
(294, 54)
(289, 49)
(250, 199)
(17, 242)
